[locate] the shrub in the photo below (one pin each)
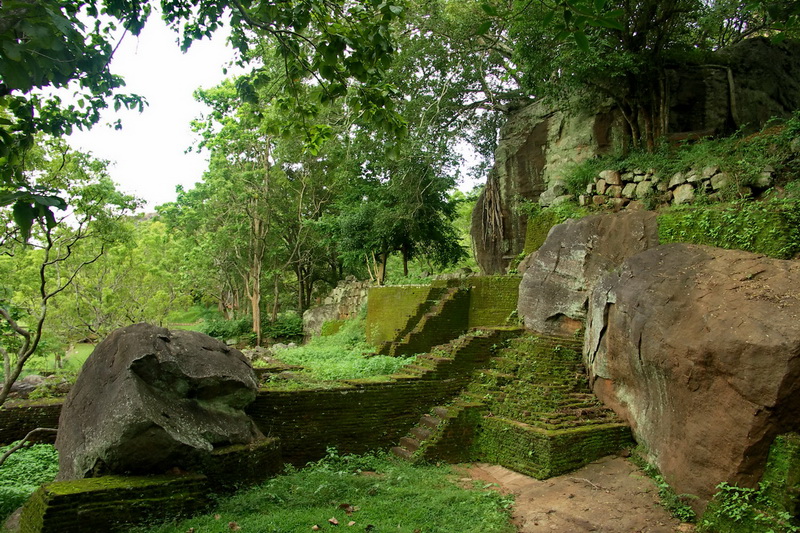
(288, 325)
(227, 329)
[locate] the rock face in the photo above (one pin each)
(534, 145)
(699, 349)
(558, 277)
(746, 85)
(149, 399)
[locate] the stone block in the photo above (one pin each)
(683, 194)
(612, 177)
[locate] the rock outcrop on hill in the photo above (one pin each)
(742, 87)
(149, 399)
(699, 349)
(558, 278)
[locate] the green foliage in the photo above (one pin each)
(743, 509)
(676, 504)
(770, 227)
(578, 176)
(375, 492)
(23, 472)
(227, 329)
(343, 355)
(289, 325)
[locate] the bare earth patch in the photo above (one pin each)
(607, 496)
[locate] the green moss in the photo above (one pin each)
(389, 310)
(331, 327)
(770, 227)
(492, 299)
(539, 225)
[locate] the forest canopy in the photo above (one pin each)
(337, 151)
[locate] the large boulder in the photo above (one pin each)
(559, 276)
(699, 349)
(149, 399)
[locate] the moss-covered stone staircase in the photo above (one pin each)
(434, 322)
(530, 409)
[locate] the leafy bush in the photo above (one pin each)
(746, 510)
(288, 325)
(373, 492)
(23, 472)
(227, 329)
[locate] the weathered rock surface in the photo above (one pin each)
(149, 399)
(742, 87)
(558, 278)
(699, 349)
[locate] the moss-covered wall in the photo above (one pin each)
(390, 308)
(111, 503)
(18, 418)
(545, 453)
(539, 225)
(493, 299)
(354, 419)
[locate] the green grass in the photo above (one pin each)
(23, 472)
(343, 355)
(385, 494)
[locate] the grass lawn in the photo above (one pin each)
(373, 492)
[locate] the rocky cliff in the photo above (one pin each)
(741, 88)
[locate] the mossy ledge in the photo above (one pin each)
(111, 503)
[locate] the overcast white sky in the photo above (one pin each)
(148, 153)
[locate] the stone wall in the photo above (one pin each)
(493, 300)
(389, 310)
(639, 188)
(394, 311)
(344, 302)
(18, 418)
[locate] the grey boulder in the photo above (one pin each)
(149, 400)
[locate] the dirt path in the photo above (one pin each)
(608, 496)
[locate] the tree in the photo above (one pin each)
(623, 54)
(341, 42)
(50, 257)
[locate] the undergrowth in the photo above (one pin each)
(746, 509)
(371, 491)
(675, 504)
(23, 472)
(343, 355)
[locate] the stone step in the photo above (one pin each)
(410, 443)
(402, 453)
(442, 412)
(421, 433)
(430, 421)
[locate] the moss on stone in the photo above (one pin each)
(771, 228)
(389, 310)
(493, 300)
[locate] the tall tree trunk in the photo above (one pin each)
(405, 260)
(381, 271)
(275, 297)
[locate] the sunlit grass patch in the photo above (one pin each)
(368, 490)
